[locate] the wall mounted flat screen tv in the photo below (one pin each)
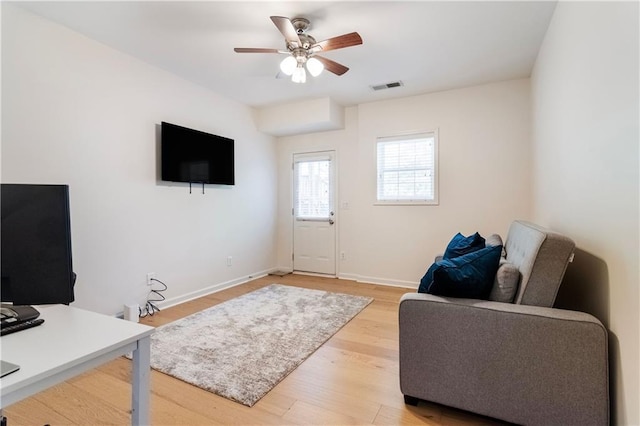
(196, 157)
(36, 244)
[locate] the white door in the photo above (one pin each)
(314, 231)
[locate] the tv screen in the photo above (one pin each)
(196, 157)
(36, 244)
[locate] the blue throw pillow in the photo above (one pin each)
(470, 276)
(461, 245)
(426, 281)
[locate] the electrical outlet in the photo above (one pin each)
(150, 277)
(343, 256)
(229, 260)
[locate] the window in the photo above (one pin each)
(407, 169)
(312, 188)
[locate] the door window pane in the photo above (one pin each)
(312, 192)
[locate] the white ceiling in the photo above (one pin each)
(429, 46)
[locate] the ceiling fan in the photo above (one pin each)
(302, 49)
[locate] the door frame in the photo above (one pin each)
(334, 154)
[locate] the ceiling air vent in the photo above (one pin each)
(387, 86)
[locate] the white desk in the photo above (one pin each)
(70, 342)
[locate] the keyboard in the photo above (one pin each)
(18, 326)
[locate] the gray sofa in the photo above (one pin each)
(524, 362)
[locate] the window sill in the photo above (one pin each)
(406, 203)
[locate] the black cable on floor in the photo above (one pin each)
(155, 295)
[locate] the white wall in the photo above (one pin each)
(585, 122)
(484, 147)
(77, 112)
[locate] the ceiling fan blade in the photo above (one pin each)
(255, 50)
(286, 28)
(339, 42)
(332, 66)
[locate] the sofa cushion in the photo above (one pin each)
(461, 245)
(506, 282)
(468, 276)
(496, 240)
(542, 257)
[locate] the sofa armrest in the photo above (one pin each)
(523, 364)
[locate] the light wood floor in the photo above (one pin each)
(351, 379)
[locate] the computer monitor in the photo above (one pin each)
(36, 245)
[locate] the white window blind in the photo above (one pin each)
(407, 169)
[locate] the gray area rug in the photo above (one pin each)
(242, 348)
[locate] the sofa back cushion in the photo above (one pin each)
(542, 257)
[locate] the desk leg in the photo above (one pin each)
(140, 392)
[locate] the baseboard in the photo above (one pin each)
(380, 281)
(241, 280)
(211, 289)
(315, 274)
(350, 277)
(359, 278)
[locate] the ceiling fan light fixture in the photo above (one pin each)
(288, 65)
(301, 47)
(314, 66)
(299, 75)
